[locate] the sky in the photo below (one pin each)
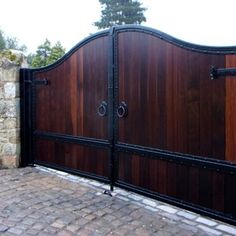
(205, 22)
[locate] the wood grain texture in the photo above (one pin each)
(231, 111)
(72, 156)
(173, 105)
(196, 185)
(68, 105)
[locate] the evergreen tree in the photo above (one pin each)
(46, 54)
(42, 53)
(120, 12)
(57, 52)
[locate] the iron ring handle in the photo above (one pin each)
(122, 110)
(102, 109)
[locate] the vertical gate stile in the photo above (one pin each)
(116, 101)
(26, 116)
(33, 119)
(111, 106)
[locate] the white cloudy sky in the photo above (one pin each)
(209, 22)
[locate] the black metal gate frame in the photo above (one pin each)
(28, 103)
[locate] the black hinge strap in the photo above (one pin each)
(215, 72)
(37, 82)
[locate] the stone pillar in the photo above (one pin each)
(9, 114)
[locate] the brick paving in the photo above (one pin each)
(40, 201)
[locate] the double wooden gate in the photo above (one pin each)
(139, 109)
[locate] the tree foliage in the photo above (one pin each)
(13, 43)
(119, 12)
(9, 46)
(2, 41)
(7, 42)
(46, 54)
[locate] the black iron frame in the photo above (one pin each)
(29, 133)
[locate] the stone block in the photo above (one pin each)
(168, 209)
(3, 136)
(10, 74)
(11, 90)
(9, 113)
(9, 161)
(227, 229)
(12, 108)
(1, 148)
(209, 230)
(9, 149)
(149, 202)
(10, 123)
(2, 108)
(206, 221)
(14, 136)
(1, 124)
(188, 215)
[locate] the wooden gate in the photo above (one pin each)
(142, 110)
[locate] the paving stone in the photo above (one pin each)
(206, 221)
(167, 209)
(151, 208)
(227, 229)
(187, 215)
(65, 233)
(209, 230)
(58, 224)
(122, 198)
(122, 192)
(189, 222)
(149, 202)
(36, 202)
(3, 228)
(38, 226)
(135, 197)
(171, 216)
(95, 183)
(15, 231)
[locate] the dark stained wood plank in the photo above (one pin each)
(205, 188)
(173, 105)
(193, 185)
(230, 195)
(172, 179)
(218, 112)
(182, 182)
(75, 157)
(135, 169)
(230, 111)
(67, 100)
(218, 188)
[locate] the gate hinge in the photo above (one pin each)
(215, 72)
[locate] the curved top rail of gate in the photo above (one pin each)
(138, 28)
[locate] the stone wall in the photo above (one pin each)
(9, 114)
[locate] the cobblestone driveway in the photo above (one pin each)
(39, 201)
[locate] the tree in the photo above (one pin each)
(56, 52)
(7, 43)
(2, 41)
(13, 43)
(120, 12)
(7, 47)
(46, 54)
